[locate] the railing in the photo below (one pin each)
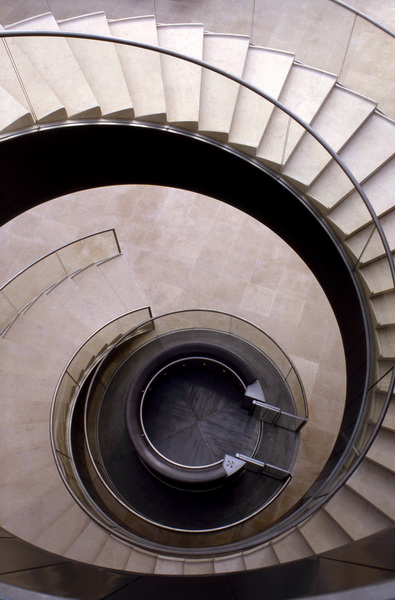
(25, 287)
(97, 494)
(301, 144)
(77, 371)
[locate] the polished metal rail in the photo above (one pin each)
(310, 130)
(20, 293)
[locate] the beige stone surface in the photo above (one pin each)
(141, 68)
(266, 70)
(68, 84)
(339, 118)
(370, 148)
(114, 554)
(323, 533)
(357, 517)
(100, 65)
(366, 63)
(376, 485)
(292, 546)
(218, 94)
(182, 79)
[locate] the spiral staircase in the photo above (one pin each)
(237, 111)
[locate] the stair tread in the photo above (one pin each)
(323, 533)
(268, 70)
(167, 565)
(351, 214)
(113, 555)
(16, 358)
(21, 494)
(46, 105)
(182, 79)
(304, 92)
(260, 557)
(382, 450)
(219, 94)
(376, 485)
(141, 562)
(365, 152)
(87, 546)
(377, 276)
(13, 115)
(338, 119)
(92, 283)
(356, 516)
(142, 68)
(100, 65)
(292, 546)
(35, 523)
(77, 98)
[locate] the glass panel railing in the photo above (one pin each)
(78, 369)
(17, 293)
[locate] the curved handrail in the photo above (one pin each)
(172, 53)
(21, 305)
(79, 493)
(308, 128)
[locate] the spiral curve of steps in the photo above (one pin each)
(350, 123)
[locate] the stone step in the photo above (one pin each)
(267, 70)
(304, 92)
(355, 516)
(386, 342)
(58, 536)
(114, 554)
(142, 68)
(218, 94)
(382, 450)
(100, 293)
(13, 115)
(52, 314)
(182, 80)
(322, 532)
(377, 276)
(100, 64)
(166, 565)
(229, 564)
(18, 359)
(36, 335)
(119, 275)
(350, 215)
(82, 305)
(36, 97)
(67, 83)
(88, 545)
(364, 154)
(22, 493)
(376, 485)
(342, 114)
(256, 558)
(292, 546)
(141, 561)
(383, 308)
(37, 522)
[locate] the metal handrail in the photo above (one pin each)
(44, 256)
(18, 311)
(203, 64)
(308, 128)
